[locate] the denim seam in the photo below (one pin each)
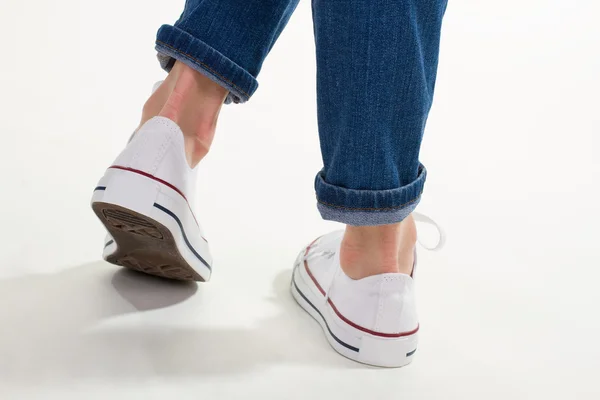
(204, 65)
(371, 209)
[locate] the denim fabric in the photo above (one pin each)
(376, 70)
(226, 40)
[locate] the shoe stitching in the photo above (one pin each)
(379, 307)
(370, 208)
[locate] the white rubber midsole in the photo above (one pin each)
(344, 338)
(160, 203)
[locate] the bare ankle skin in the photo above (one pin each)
(193, 102)
(372, 250)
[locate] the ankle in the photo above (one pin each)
(193, 102)
(373, 250)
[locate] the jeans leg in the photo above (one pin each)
(376, 69)
(226, 40)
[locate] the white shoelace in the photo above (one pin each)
(442, 235)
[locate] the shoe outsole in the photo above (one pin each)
(143, 244)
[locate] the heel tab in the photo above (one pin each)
(162, 124)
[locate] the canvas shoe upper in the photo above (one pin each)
(144, 200)
(371, 320)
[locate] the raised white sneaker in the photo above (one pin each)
(143, 201)
(371, 320)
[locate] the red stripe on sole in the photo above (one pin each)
(154, 178)
(346, 320)
(310, 245)
(313, 278)
(370, 332)
(147, 175)
(308, 269)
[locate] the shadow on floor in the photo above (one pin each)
(47, 331)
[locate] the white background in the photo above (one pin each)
(509, 309)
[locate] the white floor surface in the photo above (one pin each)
(509, 309)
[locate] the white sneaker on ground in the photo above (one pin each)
(143, 200)
(371, 320)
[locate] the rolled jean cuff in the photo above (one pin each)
(368, 207)
(173, 44)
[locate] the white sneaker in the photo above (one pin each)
(371, 320)
(143, 200)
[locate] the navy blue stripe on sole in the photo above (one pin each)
(411, 353)
(346, 345)
(187, 242)
(99, 188)
(109, 243)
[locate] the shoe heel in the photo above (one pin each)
(388, 352)
(127, 189)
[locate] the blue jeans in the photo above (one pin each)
(376, 69)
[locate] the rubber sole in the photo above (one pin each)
(143, 244)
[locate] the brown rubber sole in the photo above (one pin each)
(143, 244)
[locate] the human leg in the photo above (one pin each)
(213, 54)
(376, 68)
(377, 63)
